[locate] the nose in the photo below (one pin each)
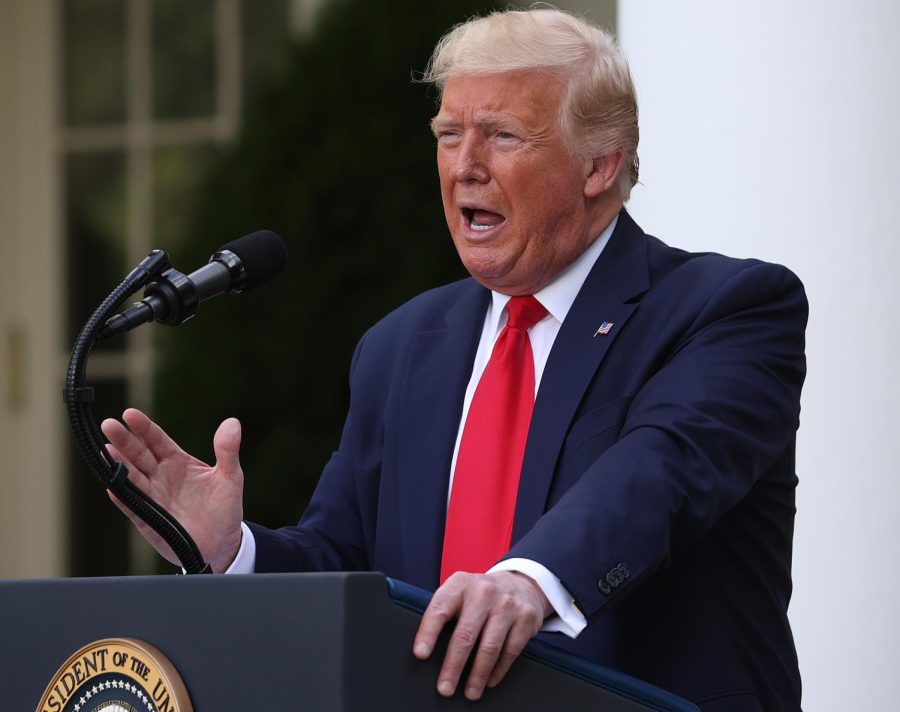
(471, 162)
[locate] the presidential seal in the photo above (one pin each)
(116, 675)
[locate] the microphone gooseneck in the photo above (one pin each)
(169, 297)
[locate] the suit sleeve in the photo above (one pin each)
(700, 433)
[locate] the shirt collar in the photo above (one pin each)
(558, 296)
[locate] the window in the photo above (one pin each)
(151, 90)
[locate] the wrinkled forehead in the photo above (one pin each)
(529, 97)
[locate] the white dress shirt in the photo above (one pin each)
(557, 298)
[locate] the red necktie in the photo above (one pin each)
(486, 480)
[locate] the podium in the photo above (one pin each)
(324, 642)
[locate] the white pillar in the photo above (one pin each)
(32, 415)
(772, 129)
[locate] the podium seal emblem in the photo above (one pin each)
(116, 675)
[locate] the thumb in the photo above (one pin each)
(226, 445)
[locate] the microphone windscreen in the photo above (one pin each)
(263, 255)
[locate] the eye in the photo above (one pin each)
(447, 137)
(506, 139)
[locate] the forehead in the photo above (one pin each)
(533, 98)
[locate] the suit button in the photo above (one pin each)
(613, 578)
(625, 572)
(604, 587)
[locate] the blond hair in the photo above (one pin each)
(599, 114)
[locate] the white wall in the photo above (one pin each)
(772, 129)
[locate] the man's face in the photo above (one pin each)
(513, 194)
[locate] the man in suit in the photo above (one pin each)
(651, 515)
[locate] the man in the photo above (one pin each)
(651, 509)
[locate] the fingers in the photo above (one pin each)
(145, 445)
(466, 633)
(122, 508)
(134, 474)
(497, 615)
(207, 500)
(443, 607)
(516, 640)
(491, 648)
(227, 445)
(137, 521)
(131, 449)
(155, 438)
(151, 536)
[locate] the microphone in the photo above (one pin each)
(234, 268)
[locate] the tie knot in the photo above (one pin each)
(524, 312)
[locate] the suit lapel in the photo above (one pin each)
(619, 275)
(440, 366)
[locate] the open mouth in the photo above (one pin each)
(481, 220)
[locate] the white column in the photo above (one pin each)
(772, 129)
(32, 416)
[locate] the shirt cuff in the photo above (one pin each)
(568, 619)
(245, 561)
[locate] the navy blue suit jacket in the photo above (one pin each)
(658, 480)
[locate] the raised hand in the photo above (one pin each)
(207, 500)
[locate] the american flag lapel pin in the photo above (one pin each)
(604, 329)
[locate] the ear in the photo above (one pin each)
(603, 173)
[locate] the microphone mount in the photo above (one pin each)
(173, 297)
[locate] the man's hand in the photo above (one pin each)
(206, 500)
(497, 614)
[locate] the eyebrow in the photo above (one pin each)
(486, 120)
(441, 122)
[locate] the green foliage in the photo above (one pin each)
(337, 158)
